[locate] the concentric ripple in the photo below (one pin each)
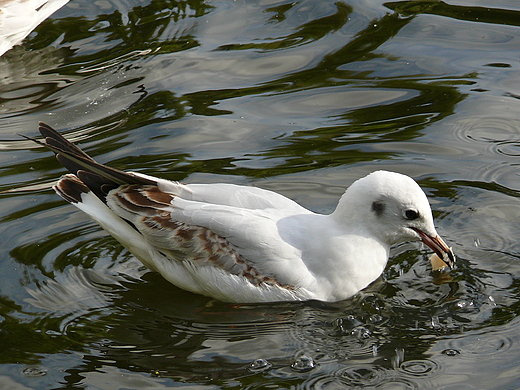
(484, 344)
(357, 375)
(422, 367)
(361, 375)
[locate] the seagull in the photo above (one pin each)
(245, 244)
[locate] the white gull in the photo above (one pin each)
(245, 244)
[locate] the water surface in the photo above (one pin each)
(300, 97)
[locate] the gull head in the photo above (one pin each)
(391, 208)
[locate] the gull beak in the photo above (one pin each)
(440, 248)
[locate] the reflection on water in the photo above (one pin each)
(299, 97)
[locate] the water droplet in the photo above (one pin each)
(346, 325)
(435, 323)
(465, 304)
(34, 371)
(361, 332)
(399, 357)
(303, 363)
(450, 352)
(259, 365)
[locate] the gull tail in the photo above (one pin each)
(98, 178)
(74, 191)
(87, 187)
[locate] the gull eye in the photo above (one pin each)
(411, 214)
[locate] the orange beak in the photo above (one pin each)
(438, 245)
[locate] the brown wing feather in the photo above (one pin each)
(148, 208)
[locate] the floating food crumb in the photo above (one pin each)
(438, 264)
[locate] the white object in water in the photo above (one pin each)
(19, 17)
(246, 244)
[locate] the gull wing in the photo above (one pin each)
(243, 241)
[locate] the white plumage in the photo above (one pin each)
(245, 244)
(19, 17)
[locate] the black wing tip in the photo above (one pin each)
(44, 126)
(70, 188)
(48, 132)
(99, 178)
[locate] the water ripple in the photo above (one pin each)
(398, 384)
(114, 61)
(419, 367)
(356, 375)
(484, 344)
(495, 142)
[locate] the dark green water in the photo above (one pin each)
(299, 97)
